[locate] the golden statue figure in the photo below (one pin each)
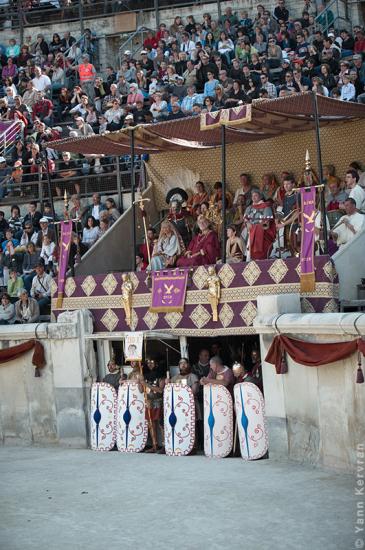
(127, 297)
(214, 291)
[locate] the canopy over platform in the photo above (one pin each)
(263, 119)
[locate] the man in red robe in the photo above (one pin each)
(261, 228)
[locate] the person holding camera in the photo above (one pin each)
(41, 287)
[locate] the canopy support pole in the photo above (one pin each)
(224, 185)
(119, 186)
(50, 196)
(133, 194)
(320, 172)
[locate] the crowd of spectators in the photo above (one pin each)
(29, 249)
(53, 89)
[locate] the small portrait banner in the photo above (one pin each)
(133, 346)
(168, 291)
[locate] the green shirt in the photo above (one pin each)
(15, 286)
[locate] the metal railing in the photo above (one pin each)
(335, 15)
(114, 180)
(134, 42)
(8, 137)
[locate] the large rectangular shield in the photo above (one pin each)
(179, 419)
(102, 416)
(251, 421)
(132, 427)
(218, 421)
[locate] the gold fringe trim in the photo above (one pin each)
(59, 300)
(307, 282)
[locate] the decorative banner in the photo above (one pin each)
(168, 291)
(227, 117)
(308, 211)
(65, 243)
(133, 344)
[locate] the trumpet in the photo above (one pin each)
(344, 219)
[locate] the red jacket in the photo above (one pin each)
(42, 108)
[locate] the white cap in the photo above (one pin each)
(2, 160)
(127, 52)
(44, 220)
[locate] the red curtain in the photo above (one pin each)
(310, 354)
(38, 359)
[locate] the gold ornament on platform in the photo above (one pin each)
(214, 291)
(127, 297)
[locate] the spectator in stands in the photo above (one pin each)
(45, 230)
(112, 210)
(30, 95)
(5, 172)
(96, 207)
(348, 92)
(67, 169)
(16, 222)
(43, 109)
(87, 75)
(114, 116)
(15, 284)
(7, 310)
(26, 309)
(30, 261)
(41, 287)
(41, 81)
(3, 225)
(90, 232)
(159, 107)
(30, 235)
(33, 216)
(47, 253)
(9, 70)
(268, 86)
(82, 128)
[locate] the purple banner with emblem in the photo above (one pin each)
(168, 290)
(65, 243)
(309, 212)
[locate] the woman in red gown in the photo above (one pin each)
(203, 249)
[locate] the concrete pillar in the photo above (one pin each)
(74, 369)
(273, 383)
(104, 354)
